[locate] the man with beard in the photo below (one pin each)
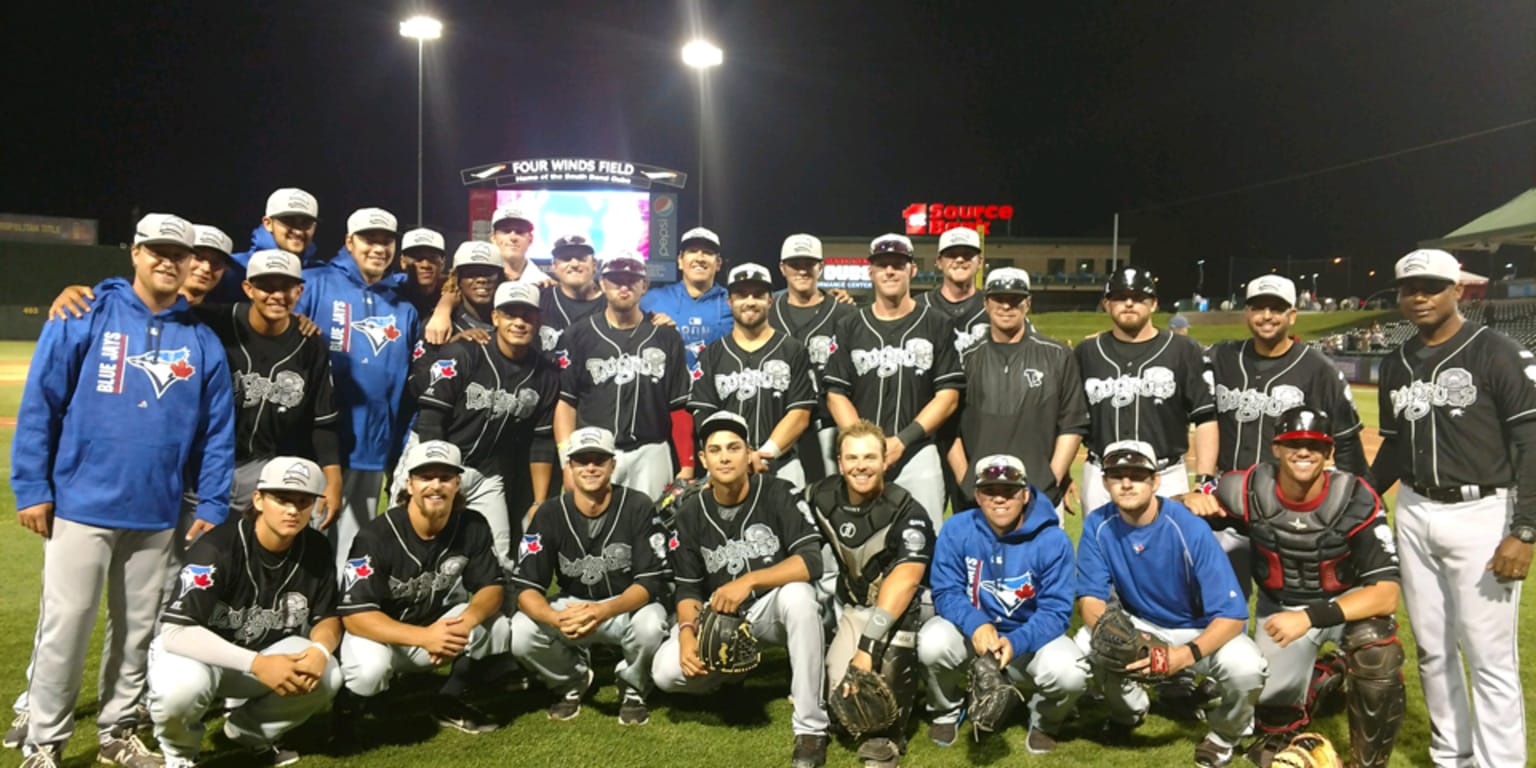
(289, 224)
(606, 551)
(760, 374)
(694, 302)
(402, 587)
(882, 543)
(748, 547)
(574, 295)
(421, 259)
(956, 297)
(627, 375)
(894, 366)
(805, 313)
(1327, 573)
(370, 331)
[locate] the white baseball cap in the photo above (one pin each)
(274, 262)
(434, 453)
(422, 238)
(516, 292)
(510, 213)
(369, 219)
(749, 274)
(1130, 453)
(1006, 281)
(476, 253)
(164, 229)
(957, 237)
(698, 234)
(1273, 285)
(1430, 264)
(800, 247)
(590, 440)
(1001, 469)
(292, 201)
(725, 420)
(901, 245)
(291, 473)
(205, 236)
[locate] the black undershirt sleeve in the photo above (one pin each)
(1387, 468)
(327, 444)
(1349, 456)
(1523, 435)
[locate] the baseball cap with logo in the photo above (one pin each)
(1007, 281)
(699, 235)
(624, 263)
(959, 237)
(725, 420)
(433, 453)
(292, 201)
(512, 292)
(422, 238)
(370, 219)
(291, 473)
(1273, 285)
(573, 243)
(476, 253)
(164, 229)
(274, 262)
(749, 274)
(800, 247)
(1130, 453)
(1429, 264)
(1001, 469)
(899, 245)
(212, 237)
(512, 212)
(590, 440)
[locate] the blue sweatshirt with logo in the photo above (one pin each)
(1022, 582)
(371, 332)
(117, 405)
(699, 320)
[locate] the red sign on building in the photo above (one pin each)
(937, 218)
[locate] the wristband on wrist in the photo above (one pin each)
(1325, 614)
(688, 625)
(879, 624)
(1194, 650)
(870, 646)
(911, 433)
(322, 647)
(769, 450)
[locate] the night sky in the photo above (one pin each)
(827, 117)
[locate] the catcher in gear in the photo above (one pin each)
(1326, 569)
(1176, 585)
(1003, 584)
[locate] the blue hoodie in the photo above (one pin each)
(699, 321)
(229, 291)
(371, 331)
(1022, 583)
(116, 405)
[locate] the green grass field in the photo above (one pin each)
(744, 727)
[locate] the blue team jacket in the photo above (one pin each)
(699, 321)
(1022, 583)
(371, 332)
(228, 290)
(116, 405)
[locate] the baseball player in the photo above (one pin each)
(606, 551)
(694, 302)
(957, 297)
(895, 367)
(882, 544)
(1003, 583)
(1147, 385)
(805, 313)
(1457, 428)
(748, 546)
(403, 590)
(1174, 581)
(476, 274)
(574, 295)
(288, 223)
(760, 374)
(1017, 382)
(421, 259)
(626, 375)
(210, 259)
(107, 514)
(370, 330)
(1327, 572)
(253, 619)
(512, 234)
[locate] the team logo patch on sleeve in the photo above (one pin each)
(196, 577)
(419, 350)
(673, 543)
(444, 369)
(164, 367)
(356, 569)
(532, 544)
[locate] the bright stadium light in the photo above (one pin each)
(421, 28)
(702, 54)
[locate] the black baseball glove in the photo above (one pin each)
(863, 702)
(1116, 642)
(671, 499)
(726, 643)
(992, 696)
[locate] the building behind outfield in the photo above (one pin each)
(39, 255)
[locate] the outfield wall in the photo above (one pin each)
(35, 272)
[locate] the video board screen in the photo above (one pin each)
(614, 219)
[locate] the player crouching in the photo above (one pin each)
(403, 590)
(1003, 583)
(1327, 571)
(235, 629)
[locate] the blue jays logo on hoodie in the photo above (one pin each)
(1010, 593)
(380, 330)
(164, 367)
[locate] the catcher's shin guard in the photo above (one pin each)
(898, 666)
(1374, 695)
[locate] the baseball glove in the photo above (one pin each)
(1307, 750)
(992, 696)
(863, 703)
(726, 643)
(1117, 642)
(671, 499)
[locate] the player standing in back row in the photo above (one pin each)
(806, 313)
(1458, 428)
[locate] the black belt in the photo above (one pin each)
(1456, 494)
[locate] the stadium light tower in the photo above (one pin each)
(422, 28)
(702, 55)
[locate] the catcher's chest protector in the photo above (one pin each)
(857, 538)
(1303, 556)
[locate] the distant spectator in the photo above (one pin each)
(1179, 324)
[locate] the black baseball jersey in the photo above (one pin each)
(425, 352)
(492, 407)
(972, 328)
(1305, 553)
(891, 369)
(251, 597)
(1448, 409)
(625, 380)
(1150, 391)
(815, 327)
(761, 386)
(282, 388)
(412, 580)
(594, 558)
(869, 540)
(970, 306)
(557, 312)
(1252, 391)
(713, 545)
(1018, 399)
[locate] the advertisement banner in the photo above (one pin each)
(47, 229)
(662, 266)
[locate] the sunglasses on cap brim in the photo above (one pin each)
(1000, 475)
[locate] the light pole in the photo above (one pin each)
(1200, 281)
(701, 55)
(422, 28)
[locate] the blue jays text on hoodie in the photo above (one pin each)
(229, 291)
(699, 320)
(371, 332)
(1022, 582)
(116, 404)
